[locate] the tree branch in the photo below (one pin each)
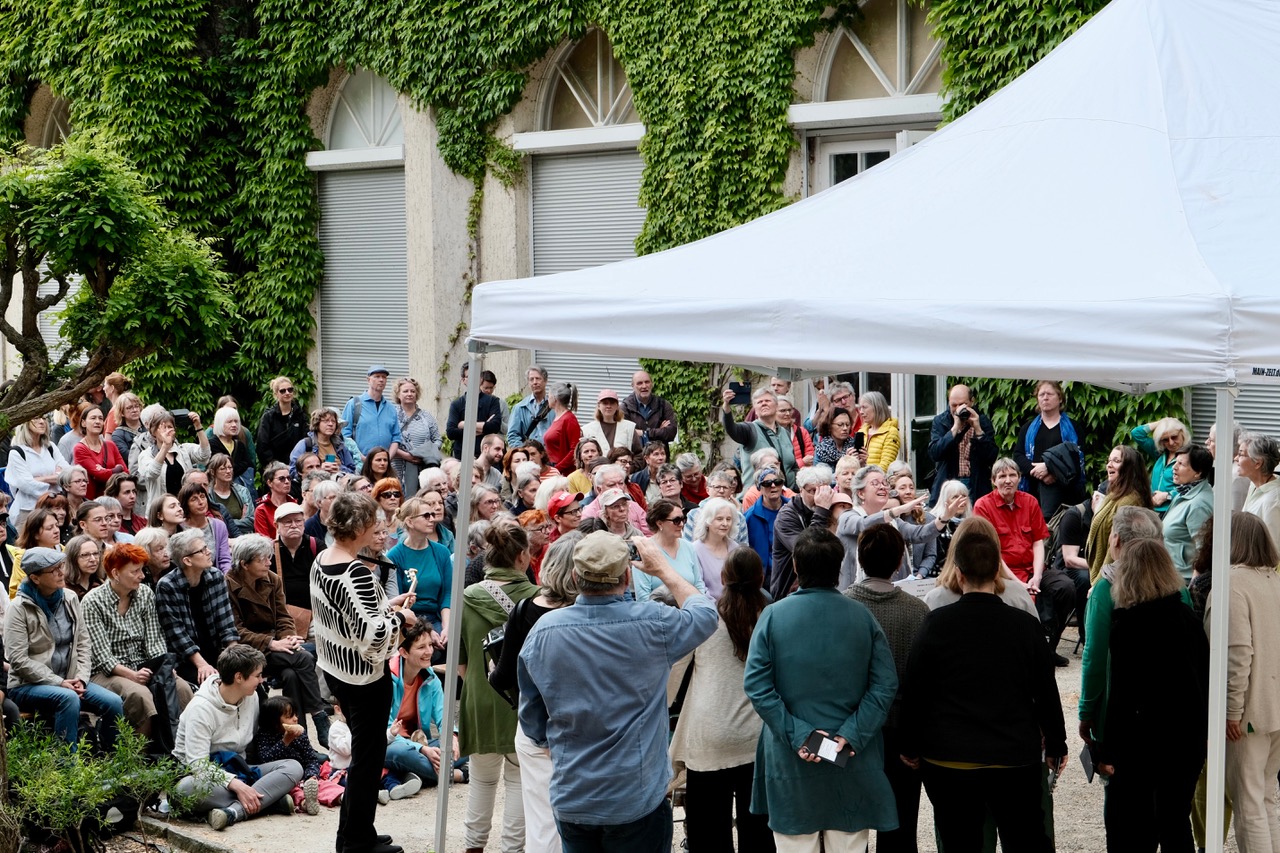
(49, 300)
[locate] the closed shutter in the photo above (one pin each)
(363, 300)
(1257, 408)
(586, 212)
(47, 321)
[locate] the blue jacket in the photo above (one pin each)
(379, 422)
(430, 698)
(760, 531)
(521, 416)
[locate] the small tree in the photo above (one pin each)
(81, 212)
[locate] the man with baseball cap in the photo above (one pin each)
(565, 509)
(371, 420)
(593, 690)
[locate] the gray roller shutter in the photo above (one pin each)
(47, 321)
(1257, 408)
(363, 300)
(586, 213)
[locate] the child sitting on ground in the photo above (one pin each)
(333, 774)
(281, 736)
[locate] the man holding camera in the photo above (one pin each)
(961, 445)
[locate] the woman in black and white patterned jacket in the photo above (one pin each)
(357, 629)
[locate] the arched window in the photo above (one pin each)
(588, 88)
(889, 52)
(366, 114)
(57, 124)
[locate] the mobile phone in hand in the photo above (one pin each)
(827, 749)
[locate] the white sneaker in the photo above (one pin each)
(410, 786)
(311, 796)
(384, 796)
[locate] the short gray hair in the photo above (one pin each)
(1132, 523)
(757, 458)
(814, 475)
(835, 389)
(476, 532)
(687, 462)
(152, 415)
(249, 547)
(860, 478)
(64, 479)
(537, 368)
(1003, 463)
(1262, 449)
(149, 537)
(184, 543)
(559, 583)
(721, 476)
(315, 478)
(109, 504)
(763, 391)
(597, 478)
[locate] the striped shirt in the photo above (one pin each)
(129, 640)
(355, 630)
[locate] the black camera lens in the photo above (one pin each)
(964, 414)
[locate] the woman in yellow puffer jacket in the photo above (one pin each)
(881, 441)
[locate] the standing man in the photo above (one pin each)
(593, 689)
(488, 416)
(1020, 524)
(370, 420)
(961, 446)
(489, 382)
(820, 664)
(532, 415)
(654, 417)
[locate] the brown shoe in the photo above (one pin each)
(475, 850)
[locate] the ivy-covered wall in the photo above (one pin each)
(209, 98)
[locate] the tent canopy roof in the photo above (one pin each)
(1110, 216)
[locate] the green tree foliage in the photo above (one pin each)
(1104, 416)
(79, 212)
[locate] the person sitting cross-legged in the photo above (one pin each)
(218, 727)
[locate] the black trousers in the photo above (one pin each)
(1055, 602)
(1148, 803)
(366, 708)
(962, 800)
(296, 672)
(710, 800)
(906, 793)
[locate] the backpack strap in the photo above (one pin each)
(357, 406)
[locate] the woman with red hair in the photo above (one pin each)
(125, 642)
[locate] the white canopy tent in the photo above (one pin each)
(1108, 217)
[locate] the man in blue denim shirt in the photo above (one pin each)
(593, 688)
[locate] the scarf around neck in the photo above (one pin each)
(48, 605)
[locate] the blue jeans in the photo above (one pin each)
(405, 756)
(649, 834)
(65, 706)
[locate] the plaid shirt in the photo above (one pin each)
(174, 610)
(129, 640)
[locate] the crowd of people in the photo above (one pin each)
(636, 629)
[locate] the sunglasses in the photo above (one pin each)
(286, 390)
(677, 520)
(771, 484)
(391, 495)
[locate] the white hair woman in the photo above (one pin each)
(228, 432)
(713, 539)
(1160, 442)
(1257, 458)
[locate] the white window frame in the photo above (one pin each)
(826, 150)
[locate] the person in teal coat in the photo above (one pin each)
(1191, 507)
(1161, 441)
(818, 661)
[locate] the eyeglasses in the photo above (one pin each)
(677, 520)
(577, 510)
(771, 484)
(391, 495)
(365, 487)
(282, 478)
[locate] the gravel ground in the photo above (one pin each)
(1077, 807)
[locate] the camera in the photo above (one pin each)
(964, 414)
(181, 418)
(633, 553)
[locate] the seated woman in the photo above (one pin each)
(417, 708)
(156, 542)
(47, 641)
(263, 621)
(230, 495)
(40, 530)
(74, 482)
(587, 451)
(194, 501)
(57, 504)
(162, 458)
(84, 566)
(377, 465)
(126, 644)
(232, 440)
(324, 440)
(167, 514)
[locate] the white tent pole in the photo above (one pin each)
(455, 612)
(1218, 623)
